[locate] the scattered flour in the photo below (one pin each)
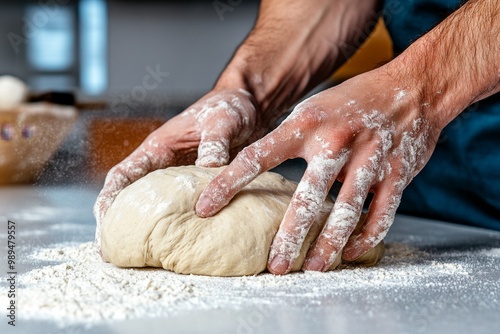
(400, 95)
(493, 252)
(186, 181)
(74, 286)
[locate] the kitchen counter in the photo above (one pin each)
(437, 278)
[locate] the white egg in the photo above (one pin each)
(12, 92)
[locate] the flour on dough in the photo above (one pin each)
(152, 223)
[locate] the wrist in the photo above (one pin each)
(275, 61)
(455, 64)
(436, 89)
(293, 47)
(252, 75)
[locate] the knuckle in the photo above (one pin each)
(309, 114)
(392, 170)
(373, 237)
(332, 241)
(397, 180)
(213, 147)
(342, 221)
(308, 200)
(379, 223)
(364, 177)
(328, 245)
(344, 136)
(286, 243)
(247, 154)
(250, 159)
(115, 177)
(211, 154)
(386, 140)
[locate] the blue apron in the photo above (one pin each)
(461, 182)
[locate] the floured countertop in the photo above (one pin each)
(434, 278)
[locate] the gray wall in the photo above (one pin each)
(10, 22)
(188, 39)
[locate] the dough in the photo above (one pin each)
(152, 223)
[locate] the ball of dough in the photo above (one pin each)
(152, 223)
(12, 92)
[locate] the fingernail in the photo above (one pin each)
(279, 265)
(351, 253)
(204, 206)
(314, 264)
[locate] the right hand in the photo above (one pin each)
(206, 133)
(371, 133)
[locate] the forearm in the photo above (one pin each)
(455, 64)
(294, 46)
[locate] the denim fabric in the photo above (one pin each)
(461, 182)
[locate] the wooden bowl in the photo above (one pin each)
(29, 135)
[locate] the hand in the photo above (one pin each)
(207, 131)
(370, 133)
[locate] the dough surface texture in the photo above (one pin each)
(152, 223)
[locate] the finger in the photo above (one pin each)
(135, 166)
(253, 160)
(380, 218)
(303, 211)
(223, 121)
(213, 150)
(342, 220)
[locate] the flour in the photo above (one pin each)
(213, 153)
(186, 181)
(44, 108)
(138, 164)
(382, 225)
(298, 134)
(80, 289)
(72, 289)
(340, 225)
(494, 252)
(400, 94)
(307, 203)
(214, 117)
(364, 179)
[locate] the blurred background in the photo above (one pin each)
(103, 47)
(130, 64)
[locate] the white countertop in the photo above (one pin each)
(436, 278)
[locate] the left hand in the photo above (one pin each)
(206, 133)
(371, 132)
